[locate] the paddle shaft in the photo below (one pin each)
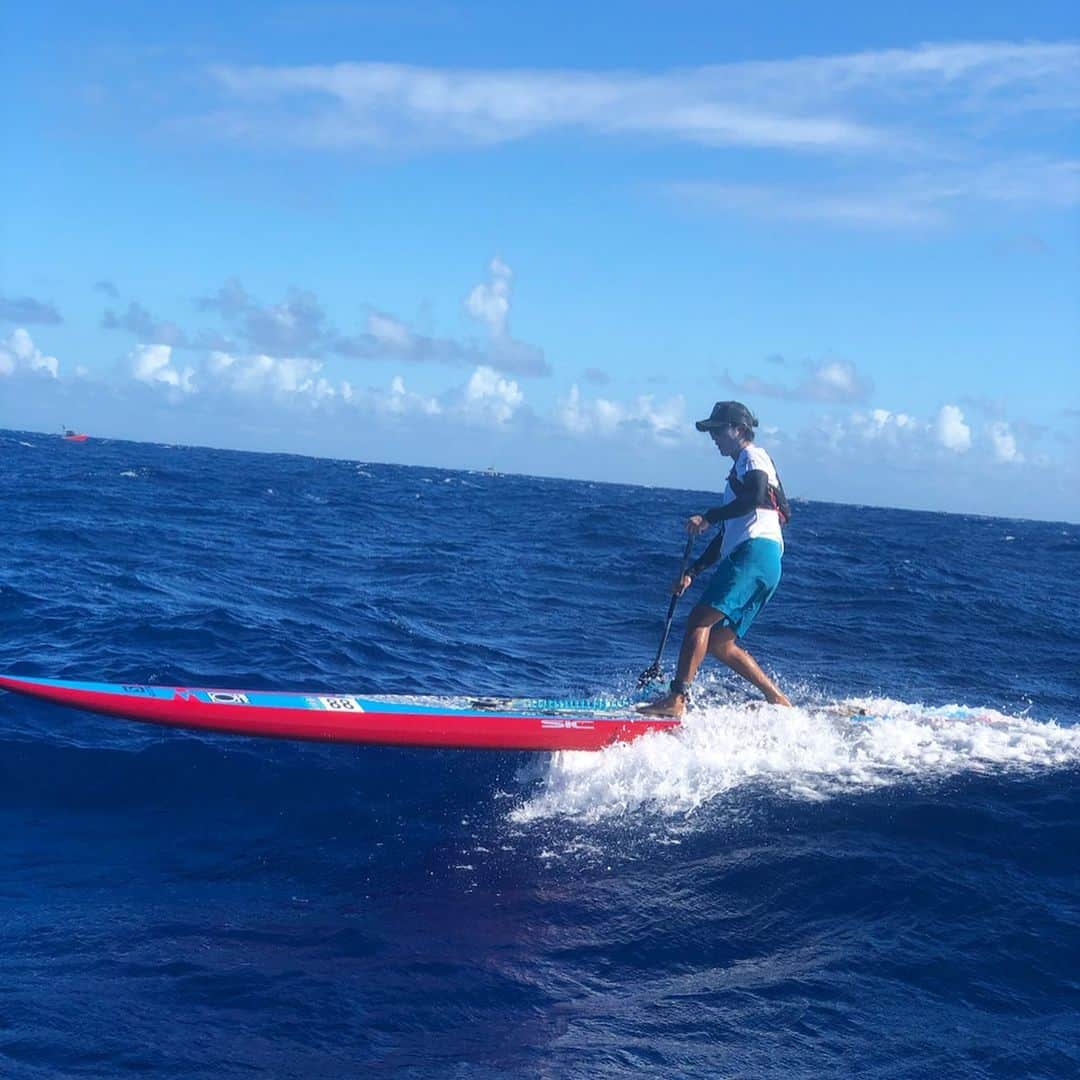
(653, 671)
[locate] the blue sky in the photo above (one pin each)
(546, 238)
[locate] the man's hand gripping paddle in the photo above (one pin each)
(654, 671)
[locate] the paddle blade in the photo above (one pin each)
(650, 675)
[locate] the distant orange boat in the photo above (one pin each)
(74, 436)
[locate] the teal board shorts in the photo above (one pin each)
(744, 582)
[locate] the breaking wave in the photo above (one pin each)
(812, 753)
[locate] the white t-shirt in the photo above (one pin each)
(758, 523)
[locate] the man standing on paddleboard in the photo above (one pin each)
(750, 547)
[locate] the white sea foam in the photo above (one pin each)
(800, 753)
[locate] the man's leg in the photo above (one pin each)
(722, 645)
(694, 647)
(700, 627)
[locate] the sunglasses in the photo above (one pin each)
(714, 433)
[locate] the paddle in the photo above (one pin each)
(654, 671)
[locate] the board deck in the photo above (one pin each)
(464, 723)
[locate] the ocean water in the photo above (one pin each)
(764, 893)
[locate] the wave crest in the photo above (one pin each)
(812, 753)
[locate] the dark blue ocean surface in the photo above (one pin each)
(764, 893)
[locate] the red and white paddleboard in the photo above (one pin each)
(466, 723)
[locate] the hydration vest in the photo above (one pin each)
(774, 499)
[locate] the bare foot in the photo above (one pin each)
(781, 699)
(756, 703)
(673, 705)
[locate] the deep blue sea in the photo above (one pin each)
(765, 893)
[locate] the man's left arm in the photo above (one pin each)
(754, 488)
(707, 557)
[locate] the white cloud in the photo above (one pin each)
(153, 364)
(1004, 442)
(894, 435)
(19, 353)
(393, 105)
(489, 396)
(875, 208)
(951, 431)
(846, 102)
(578, 416)
(257, 375)
(918, 199)
(400, 401)
(823, 380)
(664, 422)
(1025, 180)
(882, 426)
(838, 377)
(490, 302)
(388, 338)
(389, 332)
